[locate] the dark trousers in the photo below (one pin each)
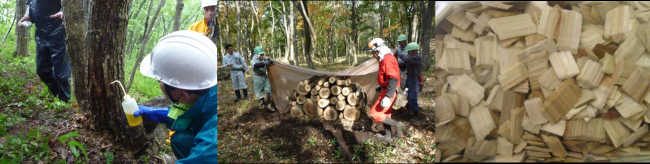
(53, 67)
(413, 84)
(182, 142)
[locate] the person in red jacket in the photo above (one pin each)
(388, 80)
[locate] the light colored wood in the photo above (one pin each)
(561, 101)
(617, 23)
(622, 72)
(340, 105)
(507, 57)
(494, 13)
(549, 80)
(296, 111)
(531, 137)
(444, 111)
(569, 31)
(602, 149)
(464, 35)
(469, 89)
(614, 98)
(353, 99)
(602, 92)
(534, 39)
(537, 64)
(630, 50)
(549, 22)
(564, 64)
(591, 74)
(505, 148)
(636, 135)
(326, 85)
(485, 48)
(322, 103)
(513, 26)
(589, 38)
(301, 89)
(586, 97)
(577, 146)
(457, 61)
(557, 128)
(335, 90)
(342, 97)
(438, 152)
(505, 130)
(481, 121)
(480, 23)
(497, 5)
(311, 109)
(616, 132)
(575, 111)
(513, 76)
(451, 158)
(522, 88)
(315, 90)
(314, 98)
(535, 148)
(534, 109)
(468, 4)
(301, 99)
(538, 154)
(637, 84)
(457, 17)
(575, 130)
(520, 147)
(351, 113)
(516, 119)
(628, 107)
(517, 157)
(547, 45)
(485, 147)
(330, 113)
(334, 100)
(505, 43)
(495, 99)
(528, 126)
(554, 143)
(332, 80)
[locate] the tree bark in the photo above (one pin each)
(106, 41)
(381, 20)
(296, 111)
(22, 34)
(354, 33)
(239, 29)
(304, 10)
(414, 31)
(294, 41)
(144, 44)
(272, 48)
(76, 26)
(286, 33)
(426, 38)
(177, 15)
(330, 113)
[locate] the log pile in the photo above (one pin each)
(328, 97)
(522, 81)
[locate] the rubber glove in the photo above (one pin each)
(158, 114)
(385, 102)
(378, 89)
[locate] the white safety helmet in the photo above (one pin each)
(376, 43)
(183, 59)
(205, 3)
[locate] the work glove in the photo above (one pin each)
(158, 114)
(378, 89)
(385, 102)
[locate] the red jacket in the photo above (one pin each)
(388, 68)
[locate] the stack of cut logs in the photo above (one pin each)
(521, 81)
(327, 97)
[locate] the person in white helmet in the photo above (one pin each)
(388, 79)
(185, 65)
(205, 26)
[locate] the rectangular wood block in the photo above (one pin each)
(534, 109)
(513, 26)
(616, 131)
(457, 17)
(549, 80)
(485, 48)
(549, 22)
(537, 64)
(617, 23)
(561, 101)
(637, 84)
(516, 119)
(444, 111)
(591, 74)
(469, 89)
(622, 72)
(569, 31)
(564, 64)
(557, 128)
(481, 121)
(554, 143)
(513, 76)
(457, 61)
(628, 106)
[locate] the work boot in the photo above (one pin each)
(386, 137)
(245, 93)
(406, 114)
(271, 104)
(238, 96)
(398, 126)
(262, 103)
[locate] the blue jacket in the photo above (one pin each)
(49, 32)
(201, 120)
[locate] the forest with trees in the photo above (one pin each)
(105, 44)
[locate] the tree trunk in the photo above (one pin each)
(297, 111)
(294, 41)
(106, 41)
(272, 48)
(177, 15)
(426, 38)
(76, 48)
(381, 20)
(354, 33)
(304, 10)
(144, 44)
(311, 108)
(227, 32)
(22, 34)
(239, 29)
(414, 31)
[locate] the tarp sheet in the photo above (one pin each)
(284, 78)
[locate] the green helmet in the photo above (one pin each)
(258, 50)
(412, 46)
(401, 38)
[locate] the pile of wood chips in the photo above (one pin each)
(554, 81)
(328, 97)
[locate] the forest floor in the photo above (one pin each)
(250, 134)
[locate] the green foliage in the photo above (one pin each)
(109, 157)
(31, 147)
(338, 154)
(9, 120)
(74, 145)
(312, 141)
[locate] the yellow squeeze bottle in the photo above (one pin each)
(130, 106)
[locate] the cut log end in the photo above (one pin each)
(330, 113)
(301, 99)
(353, 99)
(333, 80)
(345, 91)
(311, 108)
(340, 105)
(322, 103)
(334, 100)
(324, 93)
(335, 90)
(296, 111)
(350, 113)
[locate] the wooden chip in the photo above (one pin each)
(549, 22)
(636, 135)
(557, 128)
(469, 89)
(534, 109)
(505, 148)
(457, 17)
(616, 131)
(513, 76)
(630, 50)
(464, 35)
(591, 74)
(444, 111)
(617, 23)
(485, 48)
(561, 101)
(569, 32)
(457, 61)
(622, 72)
(564, 64)
(513, 26)
(637, 84)
(481, 121)
(628, 107)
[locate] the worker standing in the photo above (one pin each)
(261, 80)
(237, 66)
(401, 50)
(205, 26)
(185, 65)
(413, 64)
(388, 80)
(52, 64)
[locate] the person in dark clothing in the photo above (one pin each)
(52, 64)
(413, 64)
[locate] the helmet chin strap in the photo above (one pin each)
(169, 95)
